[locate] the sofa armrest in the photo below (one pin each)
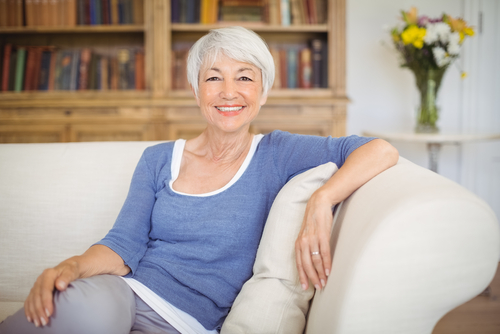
(409, 246)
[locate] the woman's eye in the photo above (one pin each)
(213, 79)
(245, 79)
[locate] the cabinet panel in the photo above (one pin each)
(116, 132)
(33, 133)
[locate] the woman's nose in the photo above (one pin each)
(228, 89)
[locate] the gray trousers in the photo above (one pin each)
(100, 304)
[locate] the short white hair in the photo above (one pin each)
(237, 43)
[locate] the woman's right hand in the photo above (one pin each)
(39, 305)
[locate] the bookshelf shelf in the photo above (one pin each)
(164, 111)
(258, 27)
(122, 28)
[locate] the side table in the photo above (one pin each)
(433, 141)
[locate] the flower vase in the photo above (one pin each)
(428, 82)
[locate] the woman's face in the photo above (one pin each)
(230, 94)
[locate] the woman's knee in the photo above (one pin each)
(101, 303)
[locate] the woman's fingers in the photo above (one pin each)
(313, 244)
(39, 301)
(39, 305)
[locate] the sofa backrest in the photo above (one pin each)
(46, 187)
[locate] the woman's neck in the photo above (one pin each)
(220, 147)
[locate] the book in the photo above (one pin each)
(123, 68)
(285, 12)
(43, 82)
(6, 66)
(138, 11)
(29, 14)
(283, 68)
(74, 71)
(292, 67)
(140, 82)
(105, 12)
(12, 70)
(3, 13)
(115, 19)
(104, 82)
(175, 14)
(52, 69)
(44, 13)
(19, 13)
(277, 75)
(317, 59)
(241, 13)
(20, 63)
(305, 68)
(29, 68)
(81, 12)
(36, 70)
(83, 78)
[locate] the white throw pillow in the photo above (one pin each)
(272, 300)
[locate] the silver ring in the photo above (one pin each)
(314, 253)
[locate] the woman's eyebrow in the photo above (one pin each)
(216, 69)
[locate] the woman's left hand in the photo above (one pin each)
(312, 248)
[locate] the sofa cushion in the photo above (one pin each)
(273, 301)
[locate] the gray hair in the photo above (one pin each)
(237, 43)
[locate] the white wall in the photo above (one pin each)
(384, 97)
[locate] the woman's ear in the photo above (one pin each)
(263, 99)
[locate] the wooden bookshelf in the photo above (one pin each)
(159, 112)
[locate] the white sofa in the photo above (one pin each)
(409, 246)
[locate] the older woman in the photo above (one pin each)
(186, 238)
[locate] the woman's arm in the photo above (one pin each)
(97, 260)
(360, 166)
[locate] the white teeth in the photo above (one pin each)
(229, 108)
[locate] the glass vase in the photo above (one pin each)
(428, 82)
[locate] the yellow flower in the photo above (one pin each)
(463, 75)
(414, 35)
(410, 17)
(458, 25)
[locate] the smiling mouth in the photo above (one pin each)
(229, 109)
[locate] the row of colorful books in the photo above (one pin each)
(54, 13)
(297, 65)
(46, 68)
(277, 12)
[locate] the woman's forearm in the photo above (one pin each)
(312, 248)
(360, 166)
(98, 260)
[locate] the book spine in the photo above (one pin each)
(285, 12)
(19, 13)
(104, 73)
(182, 11)
(98, 11)
(20, 63)
(6, 62)
(324, 67)
(29, 68)
(93, 71)
(131, 71)
(190, 11)
(37, 67)
(123, 58)
(52, 70)
(3, 13)
(71, 11)
(174, 11)
(284, 68)
(114, 12)
(75, 62)
(317, 49)
(277, 75)
(105, 11)
(139, 71)
(138, 11)
(85, 56)
(306, 68)
(43, 83)
(292, 58)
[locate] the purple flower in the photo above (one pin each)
(423, 20)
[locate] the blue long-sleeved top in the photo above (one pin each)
(196, 252)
